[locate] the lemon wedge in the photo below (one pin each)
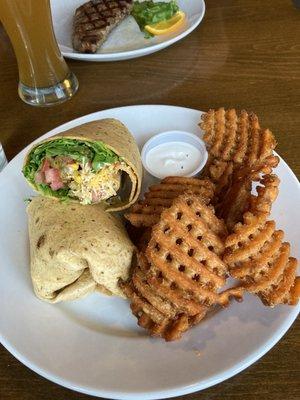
(160, 28)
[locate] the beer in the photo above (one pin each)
(41, 65)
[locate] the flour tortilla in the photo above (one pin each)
(76, 250)
(117, 138)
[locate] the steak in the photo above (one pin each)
(94, 20)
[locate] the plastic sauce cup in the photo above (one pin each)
(174, 153)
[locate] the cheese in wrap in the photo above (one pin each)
(75, 250)
(97, 162)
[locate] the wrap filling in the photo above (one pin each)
(67, 168)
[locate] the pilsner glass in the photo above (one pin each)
(44, 77)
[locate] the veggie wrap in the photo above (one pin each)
(97, 162)
(75, 250)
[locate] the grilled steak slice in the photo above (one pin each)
(94, 20)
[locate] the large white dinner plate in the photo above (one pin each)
(94, 345)
(126, 41)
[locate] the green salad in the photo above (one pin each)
(149, 13)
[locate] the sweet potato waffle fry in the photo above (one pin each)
(236, 138)
(146, 212)
(194, 232)
(220, 172)
(238, 198)
(239, 152)
(234, 141)
(266, 194)
(163, 313)
(179, 276)
(256, 254)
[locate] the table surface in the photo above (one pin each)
(245, 54)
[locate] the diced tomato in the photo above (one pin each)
(57, 185)
(46, 165)
(39, 177)
(52, 175)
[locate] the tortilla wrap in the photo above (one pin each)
(117, 138)
(76, 250)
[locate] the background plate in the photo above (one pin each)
(126, 41)
(94, 345)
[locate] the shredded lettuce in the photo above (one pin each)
(80, 150)
(47, 191)
(149, 13)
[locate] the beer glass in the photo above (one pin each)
(44, 77)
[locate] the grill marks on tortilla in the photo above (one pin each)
(41, 241)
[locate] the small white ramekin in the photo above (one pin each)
(175, 136)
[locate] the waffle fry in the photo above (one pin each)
(238, 199)
(184, 250)
(147, 212)
(257, 255)
(220, 173)
(179, 276)
(239, 152)
(266, 194)
(163, 313)
(236, 138)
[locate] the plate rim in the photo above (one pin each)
(164, 394)
(126, 55)
(175, 391)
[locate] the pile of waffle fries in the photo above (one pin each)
(195, 233)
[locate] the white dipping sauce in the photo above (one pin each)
(173, 159)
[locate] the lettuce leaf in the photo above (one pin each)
(47, 191)
(149, 13)
(80, 150)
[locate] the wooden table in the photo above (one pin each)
(245, 54)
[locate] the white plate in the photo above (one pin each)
(126, 41)
(94, 345)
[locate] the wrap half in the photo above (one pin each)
(97, 162)
(75, 250)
